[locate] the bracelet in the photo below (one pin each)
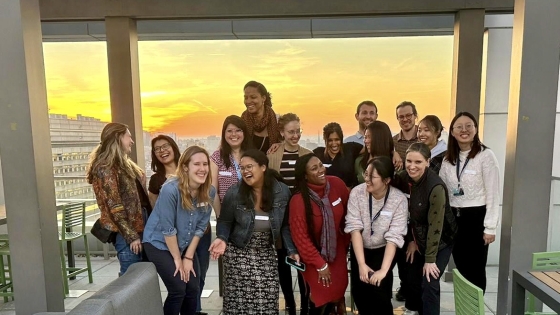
(324, 268)
(187, 258)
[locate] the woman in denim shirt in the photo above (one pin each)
(249, 227)
(175, 227)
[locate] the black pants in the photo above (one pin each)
(285, 277)
(424, 296)
(470, 254)
(400, 258)
(371, 299)
(182, 297)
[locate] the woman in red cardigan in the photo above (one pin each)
(316, 217)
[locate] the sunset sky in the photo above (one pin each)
(189, 87)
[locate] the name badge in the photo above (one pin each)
(292, 162)
(223, 173)
(261, 217)
(471, 172)
(202, 204)
(337, 201)
(327, 165)
(386, 213)
(407, 196)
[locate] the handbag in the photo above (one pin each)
(102, 234)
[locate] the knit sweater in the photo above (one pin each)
(390, 226)
(481, 185)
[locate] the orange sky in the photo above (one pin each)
(189, 87)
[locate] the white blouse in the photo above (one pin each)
(480, 182)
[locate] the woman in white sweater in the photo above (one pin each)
(470, 172)
(377, 221)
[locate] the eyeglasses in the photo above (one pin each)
(468, 127)
(368, 177)
(162, 147)
(248, 168)
(233, 131)
(294, 132)
(405, 117)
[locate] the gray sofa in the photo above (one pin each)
(136, 292)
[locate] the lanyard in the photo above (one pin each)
(237, 169)
(378, 212)
(458, 164)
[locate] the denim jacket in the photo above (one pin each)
(170, 218)
(237, 221)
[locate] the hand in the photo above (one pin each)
(179, 268)
(217, 248)
(325, 277)
(377, 277)
(273, 148)
(488, 238)
(411, 248)
(136, 246)
(397, 161)
(430, 269)
(295, 257)
(188, 267)
(364, 271)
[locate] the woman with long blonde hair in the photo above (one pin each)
(177, 224)
(119, 186)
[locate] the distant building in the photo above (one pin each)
(72, 142)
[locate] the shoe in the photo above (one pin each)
(399, 296)
(201, 313)
(290, 310)
(409, 312)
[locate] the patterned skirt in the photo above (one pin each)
(251, 277)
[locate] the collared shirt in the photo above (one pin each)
(170, 218)
(401, 144)
(358, 138)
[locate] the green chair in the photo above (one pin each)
(542, 261)
(469, 299)
(6, 286)
(73, 216)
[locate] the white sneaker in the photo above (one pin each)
(409, 312)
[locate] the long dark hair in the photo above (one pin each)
(303, 189)
(384, 167)
(270, 177)
(225, 148)
(453, 149)
(381, 143)
(157, 166)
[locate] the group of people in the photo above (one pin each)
(381, 200)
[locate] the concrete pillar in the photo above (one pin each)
(468, 40)
(27, 167)
(124, 79)
(530, 134)
(494, 104)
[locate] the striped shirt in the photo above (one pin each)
(288, 168)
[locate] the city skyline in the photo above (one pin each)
(189, 87)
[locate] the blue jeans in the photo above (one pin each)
(204, 261)
(125, 255)
(181, 297)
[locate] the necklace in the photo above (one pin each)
(262, 143)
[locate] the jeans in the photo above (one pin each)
(425, 296)
(181, 297)
(125, 255)
(204, 261)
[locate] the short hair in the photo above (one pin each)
(407, 103)
(368, 103)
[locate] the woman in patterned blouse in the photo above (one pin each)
(118, 184)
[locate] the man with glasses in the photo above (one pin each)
(366, 113)
(407, 116)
